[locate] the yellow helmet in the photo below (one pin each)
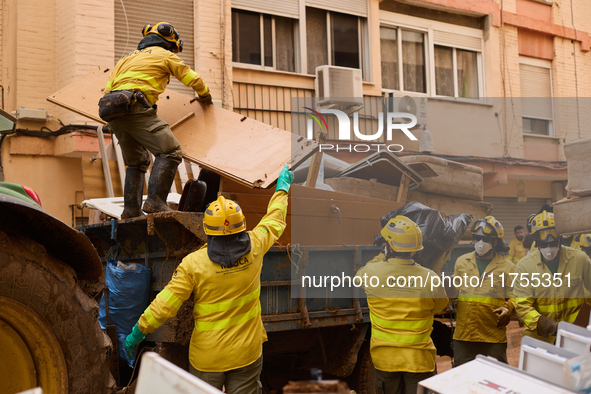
(403, 235)
(585, 240)
(542, 226)
(223, 217)
(489, 227)
(166, 31)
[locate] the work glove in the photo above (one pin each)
(504, 317)
(133, 340)
(285, 179)
(547, 327)
(205, 99)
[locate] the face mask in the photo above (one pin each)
(482, 248)
(550, 252)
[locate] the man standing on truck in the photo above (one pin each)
(485, 305)
(129, 106)
(224, 277)
(516, 248)
(551, 281)
(401, 308)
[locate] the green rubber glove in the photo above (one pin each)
(133, 340)
(285, 179)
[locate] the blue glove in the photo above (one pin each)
(133, 340)
(285, 179)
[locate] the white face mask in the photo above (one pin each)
(550, 252)
(482, 247)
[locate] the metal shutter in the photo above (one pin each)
(132, 15)
(536, 91)
(287, 8)
(354, 7)
(455, 40)
(512, 213)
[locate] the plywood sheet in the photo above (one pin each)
(242, 149)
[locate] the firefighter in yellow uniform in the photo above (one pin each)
(140, 132)
(551, 282)
(224, 277)
(402, 310)
(516, 249)
(584, 243)
(485, 304)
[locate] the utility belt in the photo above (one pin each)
(118, 103)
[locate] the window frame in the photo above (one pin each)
(547, 64)
(362, 42)
(426, 26)
(296, 38)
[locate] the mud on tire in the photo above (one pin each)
(48, 286)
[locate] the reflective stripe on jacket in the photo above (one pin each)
(560, 303)
(148, 70)
(228, 331)
(475, 320)
(402, 317)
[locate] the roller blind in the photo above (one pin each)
(512, 213)
(536, 91)
(287, 8)
(457, 40)
(354, 7)
(132, 15)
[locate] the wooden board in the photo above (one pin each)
(242, 149)
(93, 178)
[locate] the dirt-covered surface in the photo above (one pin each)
(327, 386)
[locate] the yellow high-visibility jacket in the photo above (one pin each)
(516, 251)
(228, 331)
(551, 298)
(475, 320)
(402, 316)
(148, 70)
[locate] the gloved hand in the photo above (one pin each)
(547, 327)
(133, 340)
(205, 99)
(504, 317)
(285, 179)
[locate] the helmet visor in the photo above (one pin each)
(546, 235)
(484, 228)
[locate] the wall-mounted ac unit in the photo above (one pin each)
(409, 103)
(339, 88)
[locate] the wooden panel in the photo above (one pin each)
(245, 150)
(93, 178)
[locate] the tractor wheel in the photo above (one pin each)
(49, 331)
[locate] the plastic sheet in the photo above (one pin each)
(129, 292)
(440, 234)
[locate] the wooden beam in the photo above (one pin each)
(403, 189)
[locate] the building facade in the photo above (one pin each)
(506, 82)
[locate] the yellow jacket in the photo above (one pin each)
(516, 251)
(558, 301)
(148, 70)
(475, 320)
(402, 317)
(228, 331)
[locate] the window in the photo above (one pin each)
(265, 40)
(409, 74)
(430, 57)
(537, 109)
(333, 39)
(456, 72)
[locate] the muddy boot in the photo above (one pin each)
(132, 193)
(161, 178)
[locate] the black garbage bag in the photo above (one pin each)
(440, 234)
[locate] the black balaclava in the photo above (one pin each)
(227, 249)
(154, 40)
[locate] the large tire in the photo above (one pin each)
(54, 305)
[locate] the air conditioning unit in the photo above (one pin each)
(339, 88)
(412, 104)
